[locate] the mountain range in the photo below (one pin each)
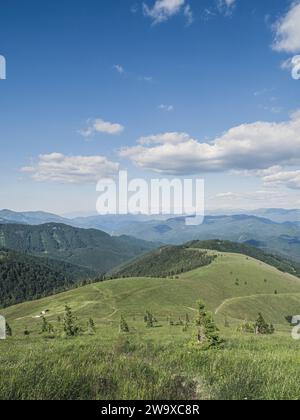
(273, 230)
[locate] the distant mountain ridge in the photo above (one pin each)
(276, 238)
(274, 230)
(90, 248)
(30, 217)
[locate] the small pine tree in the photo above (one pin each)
(124, 328)
(262, 327)
(149, 320)
(8, 330)
(44, 325)
(91, 326)
(207, 334)
(71, 329)
(26, 332)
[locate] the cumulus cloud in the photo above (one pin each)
(101, 126)
(278, 177)
(256, 146)
(56, 167)
(163, 10)
(288, 31)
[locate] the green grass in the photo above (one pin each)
(156, 363)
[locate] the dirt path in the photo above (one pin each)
(250, 297)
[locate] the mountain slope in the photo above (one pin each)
(166, 261)
(89, 248)
(24, 277)
(172, 260)
(229, 276)
(156, 363)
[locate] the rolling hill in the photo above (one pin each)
(173, 260)
(88, 248)
(156, 363)
(228, 280)
(166, 261)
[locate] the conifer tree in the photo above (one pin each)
(44, 325)
(149, 319)
(123, 325)
(26, 332)
(262, 327)
(8, 330)
(91, 326)
(207, 332)
(71, 329)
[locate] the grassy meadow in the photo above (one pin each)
(157, 363)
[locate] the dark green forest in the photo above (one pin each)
(165, 262)
(24, 277)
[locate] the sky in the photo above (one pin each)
(162, 88)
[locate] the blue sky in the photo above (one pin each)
(87, 79)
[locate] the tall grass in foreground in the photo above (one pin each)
(83, 368)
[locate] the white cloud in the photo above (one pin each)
(148, 79)
(56, 167)
(278, 177)
(226, 6)
(163, 10)
(166, 108)
(288, 31)
(120, 69)
(254, 146)
(230, 3)
(100, 126)
(253, 199)
(188, 13)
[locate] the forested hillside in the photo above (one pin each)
(172, 260)
(167, 261)
(24, 277)
(89, 248)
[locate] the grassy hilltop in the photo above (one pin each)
(156, 362)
